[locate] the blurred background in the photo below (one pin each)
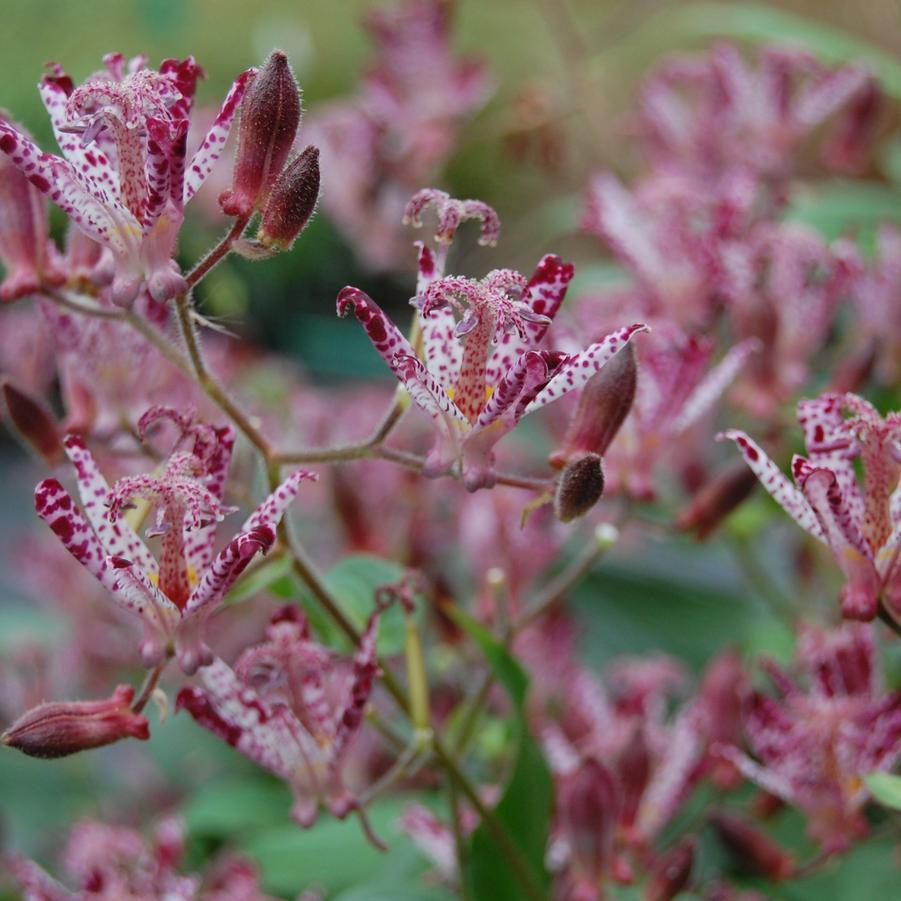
(545, 125)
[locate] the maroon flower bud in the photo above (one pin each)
(25, 246)
(753, 850)
(35, 425)
(60, 728)
(580, 487)
(717, 499)
(270, 116)
(603, 406)
(671, 872)
(291, 202)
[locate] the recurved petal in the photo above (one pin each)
(575, 371)
(213, 144)
(777, 485)
(269, 513)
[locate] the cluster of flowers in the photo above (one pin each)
(105, 330)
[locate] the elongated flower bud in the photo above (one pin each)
(35, 425)
(291, 202)
(717, 499)
(603, 406)
(270, 116)
(671, 872)
(25, 247)
(580, 487)
(752, 849)
(60, 728)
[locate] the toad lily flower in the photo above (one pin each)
(175, 595)
(861, 524)
(123, 178)
(483, 368)
(289, 707)
(813, 745)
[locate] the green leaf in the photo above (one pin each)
(885, 788)
(524, 810)
(334, 854)
(762, 24)
(392, 891)
(353, 582)
(265, 576)
(837, 206)
(235, 804)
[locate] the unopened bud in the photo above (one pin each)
(671, 872)
(291, 202)
(35, 425)
(270, 116)
(603, 406)
(717, 499)
(25, 246)
(752, 849)
(60, 728)
(580, 487)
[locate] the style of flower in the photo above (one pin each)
(124, 176)
(292, 708)
(479, 374)
(175, 595)
(813, 745)
(860, 523)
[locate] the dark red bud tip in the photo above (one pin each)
(270, 116)
(718, 497)
(292, 201)
(61, 728)
(580, 488)
(753, 850)
(672, 871)
(603, 406)
(34, 423)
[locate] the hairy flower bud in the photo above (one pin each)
(671, 872)
(60, 728)
(270, 116)
(33, 422)
(603, 406)
(291, 202)
(580, 487)
(25, 247)
(717, 498)
(752, 849)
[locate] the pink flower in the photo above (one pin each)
(289, 707)
(712, 113)
(813, 745)
(399, 130)
(483, 369)
(861, 524)
(175, 595)
(112, 863)
(124, 178)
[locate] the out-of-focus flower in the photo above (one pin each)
(859, 523)
(112, 863)
(400, 129)
(813, 745)
(790, 308)
(124, 178)
(710, 114)
(30, 257)
(34, 423)
(174, 596)
(484, 371)
(289, 707)
(754, 851)
(61, 728)
(874, 292)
